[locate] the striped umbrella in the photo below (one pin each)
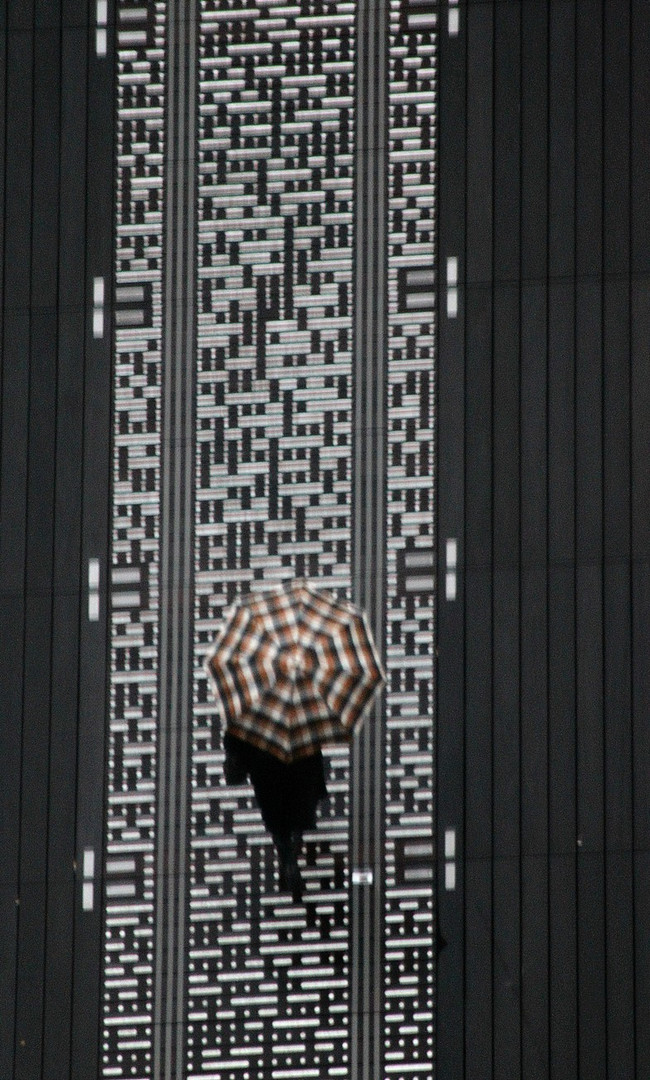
(293, 668)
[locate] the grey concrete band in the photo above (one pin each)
(176, 540)
(369, 561)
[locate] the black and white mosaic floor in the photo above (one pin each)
(273, 417)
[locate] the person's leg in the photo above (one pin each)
(290, 876)
(296, 839)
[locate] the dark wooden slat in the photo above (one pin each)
(47, 16)
(57, 1004)
(561, 194)
(561, 541)
(534, 682)
(563, 1033)
(620, 963)
(640, 519)
(39, 552)
(562, 840)
(479, 31)
(640, 134)
(618, 749)
(616, 594)
(592, 1033)
(506, 572)
(642, 957)
(478, 822)
(478, 545)
(13, 494)
(478, 703)
(588, 540)
(96, 480)
(589, 602)
(3, 129)
(20, 17)
(506, 874)
(36, 710)
(534, 643)
(450, 463)
(506, 540)
(478, 967)
(534, 135)
(478, 428)
(68, 588)
(12, 616)
(591, 866)
(534, 917)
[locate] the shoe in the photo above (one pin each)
(290, 876)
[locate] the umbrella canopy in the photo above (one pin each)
(293, 668)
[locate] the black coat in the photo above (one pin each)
(287, 795)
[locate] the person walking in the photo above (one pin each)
(287, 796)
(293, 669)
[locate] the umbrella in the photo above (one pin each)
(293, 668)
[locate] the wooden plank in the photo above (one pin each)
(478, 440)
(478, 967)
(640, 519)
(449, 615)
(478, 736)
(589, 601)
(534, 641)
(98, 150)
(478, 824)
(506, 545)
(640, 137)
(618, 778)
(561, 541)
(563, 1033)
(478, 544)
(3, 117)
(68, 589)
(561, 425)
(60, 885)
(39, 550)
(642, 957)
(13, 494)
(478, 192)
(508, 1024)
(534, 1012)
(592, 1034)
(616, 582)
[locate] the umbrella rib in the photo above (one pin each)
(293, 669)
